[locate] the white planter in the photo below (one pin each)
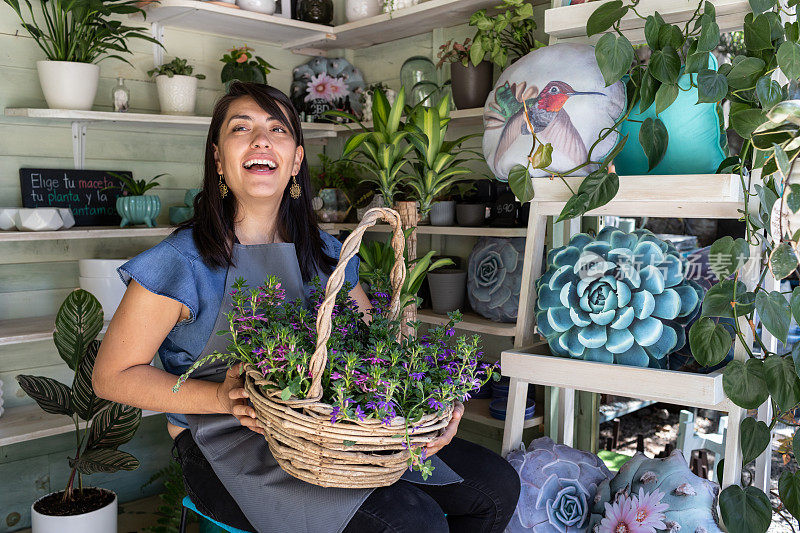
(103, 520)
(394, 5)
(177, 95)
(7, 215)
(259, 6)
(99, 268)
(108, 291)
(68, 85)
(361, 9)
(38, 219)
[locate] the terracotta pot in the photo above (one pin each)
(471, 84)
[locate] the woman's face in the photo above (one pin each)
(256, 154)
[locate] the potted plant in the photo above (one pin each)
(177, 87)
(366, 96)
(470, 208)
(448, 288)
(134, 206)
(509, 35)
(471, 84)
(107, 425)
(242, 65)
(435, 167)
(74, 36)
(335, 182)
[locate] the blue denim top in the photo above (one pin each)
(175, 269)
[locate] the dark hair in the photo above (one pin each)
(212, 223)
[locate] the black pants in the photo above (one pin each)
(483, 503)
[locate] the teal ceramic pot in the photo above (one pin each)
(335, 205)
(138, 210)
(188, 199)
(179, 214)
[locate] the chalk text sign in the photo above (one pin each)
(83, 191)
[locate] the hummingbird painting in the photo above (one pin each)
(518, 108)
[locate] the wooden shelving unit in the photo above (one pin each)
(85, 232)
(471, 322)
(477, 410)
(463, 231)
(21, 330)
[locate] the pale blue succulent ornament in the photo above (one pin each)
(691, 500)
(558, 488)
(494, 277)
(618, 298)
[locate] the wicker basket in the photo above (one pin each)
(347, 453)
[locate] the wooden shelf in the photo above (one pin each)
(681, 388)
(29, 422)
(311, 130)
(21, 330)
(477, 410)
(689, 195)
(569, 22)
(478, 231)
(471, 322)
(85, 232)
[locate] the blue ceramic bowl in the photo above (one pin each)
(500, 389)
(497, 408)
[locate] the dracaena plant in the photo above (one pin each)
(436, 165)
(82, 30)
(106, 425)
(381, 149)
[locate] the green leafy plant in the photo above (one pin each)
(170, 510)
(134, 187)
(454, 52)
(107, 425)
(82, 30)
(381, 149)
(436, 167)
(505, 36)
(176, 67)
(242, 65)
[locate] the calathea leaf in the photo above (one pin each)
(614, 55)
(79, 320)
(114, 426)
(596, 189)
(84, 400)
(51, 395)
(654, 138)
(755, 438)
(744, 383)
(105, 460)
(745, 510)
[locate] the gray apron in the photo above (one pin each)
(272, 500)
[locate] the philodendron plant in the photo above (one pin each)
(106, 425)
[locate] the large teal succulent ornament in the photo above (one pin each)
(620, 298)
(686, 503)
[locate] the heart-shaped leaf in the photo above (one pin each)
(718, 300)
(670, 35)
(614, 55)
(652, 26)
(745, 510)
(604, 17)
(744, 383)
(665, 65)
(727, 255)
(768, 92)
(760, 6)
(775, 313)
(789, 491)
(789, 59)
(745, 73)
(647, 93)
(746, 121)
(654, 138)
(782, 381)
(709, 36)
(665, 95)
(793, 197)
(757, 34)
(711, 86)
(783, 261)
(755, 438)
(596, 189)
(710, 342)
(521, 183)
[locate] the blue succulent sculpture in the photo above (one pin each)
(558, 488)
(494, 277)
(691, 500)
(620, 298)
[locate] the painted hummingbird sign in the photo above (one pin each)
(558, 94)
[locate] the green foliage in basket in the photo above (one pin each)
(107, 425)
(176, 67)
(369, 374)
(134, 187)
(82, 30)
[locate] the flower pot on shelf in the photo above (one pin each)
(443, 213)
(266, 7)
(334, 205)
(471, 214)
(448, 288)
(138, 209)
(177, 95)
(68, 84)
(471, 85)
(361, 9)
(101, 520)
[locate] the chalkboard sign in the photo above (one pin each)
(80, 190)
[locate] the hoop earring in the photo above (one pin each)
(223, 189)
(294, 190)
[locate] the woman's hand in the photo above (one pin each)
(233, 399)
(449, 432)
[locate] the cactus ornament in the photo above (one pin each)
(620, 298)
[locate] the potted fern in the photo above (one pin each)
(177, 87)
(134, 206)
(106, 425)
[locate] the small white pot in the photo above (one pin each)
(103, 520)
(7, 215)
(38, 219)
(394, 5)
(66, 217)
(108, 291)
(361, 9)
(259, 6)
(67, 84)
(177, 95)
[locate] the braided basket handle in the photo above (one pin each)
(350, 247)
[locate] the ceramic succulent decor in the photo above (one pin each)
(651, 495)
(620, 298)
(558, 488)
(495, 277)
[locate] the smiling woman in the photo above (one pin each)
(253, 219)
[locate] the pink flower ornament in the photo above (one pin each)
(649, 510)
(620, 517)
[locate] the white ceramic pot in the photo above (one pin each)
(177, 95)
(394, 5)
(7, 215)
(68, 85)
(99, 268)
(66, 217)
(38, 219)
(108, 291)
(103, 520)
(361, 9)
(259, 6)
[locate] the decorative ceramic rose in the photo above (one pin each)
(558, 486)
(495, 277)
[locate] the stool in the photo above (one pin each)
(189, 504)
(689, 440)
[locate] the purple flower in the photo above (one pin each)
(360, 413)
(450, 332)
(335, 414)
(417, 376)
(433, 403)
(336, 375)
